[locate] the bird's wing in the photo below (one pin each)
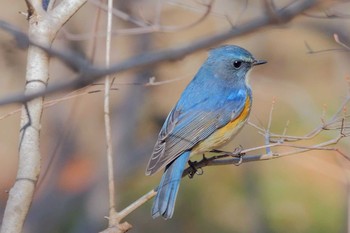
(182, 130)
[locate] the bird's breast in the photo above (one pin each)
(225, 133)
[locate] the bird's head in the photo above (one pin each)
(231, 63)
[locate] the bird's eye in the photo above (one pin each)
(237, 64)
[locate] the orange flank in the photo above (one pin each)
(225, 133)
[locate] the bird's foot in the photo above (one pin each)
(194, 169)
(238, 153)
(240, 161)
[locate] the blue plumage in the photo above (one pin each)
(169, 186)
(213, 99)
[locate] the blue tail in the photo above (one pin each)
(164, 202)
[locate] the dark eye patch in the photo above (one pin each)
(237, 64)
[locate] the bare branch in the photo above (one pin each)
(42, 30)
(237, 159)
(240, 156)
(118, 13)
(85, 91)
(144, 27)
(329, 13)
(136, 204)
(89, 74)
(112, 221)
(333, 121)
(162, 28)
(345, 48)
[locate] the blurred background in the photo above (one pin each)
(301, 193)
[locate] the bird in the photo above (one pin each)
(211, 110)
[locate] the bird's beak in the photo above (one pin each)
(259, 62)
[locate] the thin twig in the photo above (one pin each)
(333, 121)
(93, 41)
(158, 12)
(336, 118)
(83, 91)
(268, 129)
(336, 38)
(118, 13)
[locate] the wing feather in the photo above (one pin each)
(182, 130)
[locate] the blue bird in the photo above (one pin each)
(211, 110)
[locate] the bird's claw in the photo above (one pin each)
(238, 153)
(194, 170)
(240, 161)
